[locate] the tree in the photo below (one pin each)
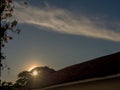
(26, 78)
(6, 25)
(45, 70)
(23, 78)
(7, 86)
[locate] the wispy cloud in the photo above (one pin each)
(64, 21)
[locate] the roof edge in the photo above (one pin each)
(81, 81)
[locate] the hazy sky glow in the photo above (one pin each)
(60, 33)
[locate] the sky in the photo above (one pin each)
(61, 33)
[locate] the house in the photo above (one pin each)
(98, 74)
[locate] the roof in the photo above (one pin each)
(99, 67)
(81, 82)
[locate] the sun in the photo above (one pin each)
(34, 73)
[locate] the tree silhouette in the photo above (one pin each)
(7, 25)
(45, 70)
(7, 86)
(24, 74)
(26, 79)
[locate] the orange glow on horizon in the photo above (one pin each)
(32, 67)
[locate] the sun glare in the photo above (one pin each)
(34, 73)
(31, 68)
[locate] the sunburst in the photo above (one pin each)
(35, 73)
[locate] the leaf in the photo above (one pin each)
(14, 23)
(25, 3)
(9, 1)
(10, 15)
(11, 10)
(18, 31)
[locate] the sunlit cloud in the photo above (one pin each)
(64, 21)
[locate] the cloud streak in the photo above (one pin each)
(64, 21)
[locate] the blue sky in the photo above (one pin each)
(60, 33)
